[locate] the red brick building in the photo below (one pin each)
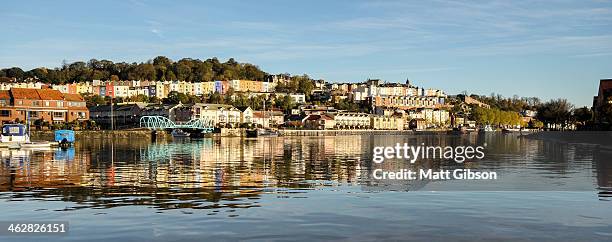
(46, 104)
(605, 91)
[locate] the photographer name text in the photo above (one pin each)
(431, 174)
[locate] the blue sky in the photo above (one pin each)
(547, 49)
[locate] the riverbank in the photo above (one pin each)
(148, 134)
(95, 134)
(332, 132)
(602, 139)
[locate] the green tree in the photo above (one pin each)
(285, 103)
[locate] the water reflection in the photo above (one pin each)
(234, 172)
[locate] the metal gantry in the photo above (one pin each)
(161, 123)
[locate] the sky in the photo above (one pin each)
(548, 49)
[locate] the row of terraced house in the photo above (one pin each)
(48, 105)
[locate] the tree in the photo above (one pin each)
(175, 97)
(140, 98)
(582, 115)
(160, 68)
(285, 103)
(94, 100)
(555, 112)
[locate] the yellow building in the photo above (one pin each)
(387, 123)
(207, 87)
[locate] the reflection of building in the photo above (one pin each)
(48, 169)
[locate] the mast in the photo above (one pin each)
(111, 115)
(264, 106)
(28, 124)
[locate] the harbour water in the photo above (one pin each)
(306, 188)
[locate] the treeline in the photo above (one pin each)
(514, 103)
(495, 116)
(505, 111)
(161, 68)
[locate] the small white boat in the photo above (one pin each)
(487, 128)
(179, 133)
(35, 145)
(15, 136)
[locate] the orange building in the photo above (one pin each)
(46, 104)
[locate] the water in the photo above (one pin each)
(306, 188)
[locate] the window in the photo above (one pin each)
(60, 103)
(33, 114)
(5, 113)
(58, 114)
(46, 103)
(36, 103)
(20, 102)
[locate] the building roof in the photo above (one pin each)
(40, 94)
(73, 97)
(24, 93)
(215, 106)
(49, 94)
(4, 94)
(317, 117)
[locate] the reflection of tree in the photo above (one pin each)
(160, 198)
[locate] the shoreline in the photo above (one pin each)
(145, 133)
(603, 139)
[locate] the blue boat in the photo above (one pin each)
(64, 136)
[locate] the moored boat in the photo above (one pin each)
(64, 137)
(458, 131)
(487, 128)
(178, 133)
(254, 133)
(14, 133)
(510, 130)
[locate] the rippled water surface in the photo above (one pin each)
(307, 188)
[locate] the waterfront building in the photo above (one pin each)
(351, 120)
(407, 102)
(246, 115)
(267, 119)
(319, 121)
(381, 122)
(221, 115)
(433, 117)
(164, 110)
(47, 105)
(123, 115)
(418, 123)
(604, 92)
